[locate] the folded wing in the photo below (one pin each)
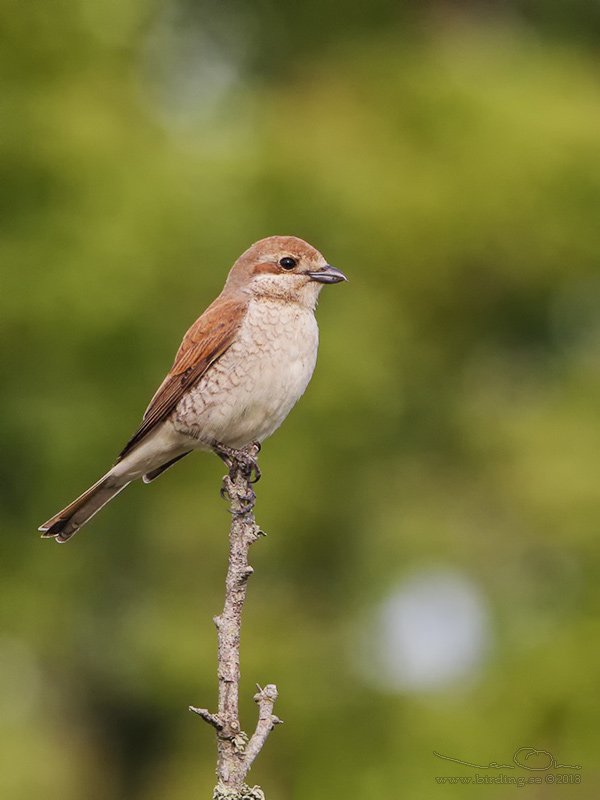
(205, 342)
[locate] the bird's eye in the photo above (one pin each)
(287, 262)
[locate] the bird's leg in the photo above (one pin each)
(242, 462)
(251, 452)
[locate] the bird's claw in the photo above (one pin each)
(254, 473)
(242, 461)
(245, 461)
(248, 504)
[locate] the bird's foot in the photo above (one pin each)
(231, 492)
(242, 461)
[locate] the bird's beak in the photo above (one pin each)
(327, 274)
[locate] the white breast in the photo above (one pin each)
(251, 389)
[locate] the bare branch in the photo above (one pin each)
(212, 719)
(235, 752)
(265, 699)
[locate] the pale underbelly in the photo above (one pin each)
(240, 400)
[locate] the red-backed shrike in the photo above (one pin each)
(239, 371)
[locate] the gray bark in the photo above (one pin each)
(235, 750)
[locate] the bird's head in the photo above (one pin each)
(283, 267)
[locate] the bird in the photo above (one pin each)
(240, 369)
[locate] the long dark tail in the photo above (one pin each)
(68, 521)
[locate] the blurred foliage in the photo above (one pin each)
(447, 158)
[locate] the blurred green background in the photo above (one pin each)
(431, 578)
